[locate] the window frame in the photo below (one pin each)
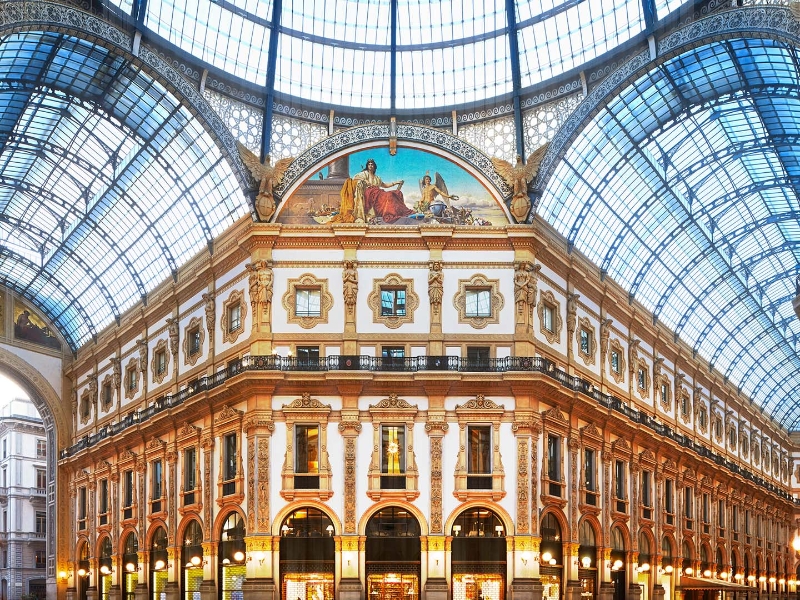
(393, 412)
(549, 310)
(193, 332)
(230, 334)
(393, 282)
(477, 284)
(306, 410)
(479, 412)
(307, 281)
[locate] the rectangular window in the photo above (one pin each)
(161, 362)
(307, 302)
(586, 341)
(107, 394)
(747, 522)
(130, 379)
(642, 379)
(664, 394)
(189, 469)
(478, 356)
(615, 361)
(554, 465)
(479, 457)
(393, 357)
(393, 302)
(647, 494)
(721, 514)
(234, 317)
(81, 508)
(478, 303)
(306, 461)
(41, 522)
(589, 478)
(41, 479)
(703, 418)
(102, 501)
(157, 484)
(308, 355)
(393, 459)
(40, 559)
(127, 493)
(619, 480)
(685, 405)
(229, 459)
(688, 499)
(548, 317)
(706, 508)
(194, 341)
(41, 448)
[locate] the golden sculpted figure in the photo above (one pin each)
(268, 176)
(518, 177)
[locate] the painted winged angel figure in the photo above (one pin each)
(518, 177)
(268, 176)
(429, 193)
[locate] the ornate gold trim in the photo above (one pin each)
(289, 300)
(393, 411)
(616, 346)
(644, 392)
(188, 357)
(161, 346)
(133, 365)
(584, 324)
(547, 299)
(393, 281)
(496, 300)
(310, 411)
(479, 410)
(235, 297)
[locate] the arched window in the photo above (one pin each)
(618, 563)
(393, 555)
(130, 560)
(158, 563)
(307, 555)
(192, 560)
(231, 567)
(478, 555)
(82, 579)
(105, 566)
(587, 555)
(644, 550)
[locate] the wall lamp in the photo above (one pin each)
(105, 570)
(84, 573)
(63, 576)
(617, 565)
(161, 565)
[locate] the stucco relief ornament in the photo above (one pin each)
(350, 283)
(435, 285)
(172, 329)
(116, 363)
(142, 344)
(267, 176)
(518, 177)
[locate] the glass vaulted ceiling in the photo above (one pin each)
(448, 52)
(684, 189)
(108, 183)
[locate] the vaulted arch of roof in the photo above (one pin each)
(113, 170)
(680, 178)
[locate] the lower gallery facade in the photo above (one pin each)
(394, 413)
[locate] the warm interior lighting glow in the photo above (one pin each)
(724, 575)
(546, 557)
(738, 576)
(751, 578)
(707, 573)
(226, 561)
(781, 581)
(130, 567)
(762, 579)
(82, 572)
(238, 556)
(105, 570)
(62, 574)
(688, 570)
(553, 561)
(617, 565)
(668, 569)
(586, 562)
(644, 567)
(796, 543)
(195, 560)
(159, 565)
(772, 580)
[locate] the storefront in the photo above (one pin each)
(551, 558)
(231, 567)
(158, 564)
(478, 556)
(307, 556)
(105, 567)
(192, 561)
(130, 560)
(393, 555)
(618, 563)
(587, 557)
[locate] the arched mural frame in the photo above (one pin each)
(756, 22)
(57, 427)
(417, 137)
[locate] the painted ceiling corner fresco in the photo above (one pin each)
(350, 190)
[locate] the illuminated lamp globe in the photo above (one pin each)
(195, 561)
(238, 556)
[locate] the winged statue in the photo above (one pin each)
(518, 177)
(268, 176)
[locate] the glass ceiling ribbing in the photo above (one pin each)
(449, 52)
(108, 184)
(684, 189)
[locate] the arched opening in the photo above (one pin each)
(130, 560)
(618, 563)
(192, 560)
(551, 556)
(686, 565)
(748, 574)
(231, 569)
(158, 563)
(720, 566)
(645, 562)
(106, 565)
(478, 555)
(393, 555)
(705, 561)
(587, 555)
(83, 573)
(307, 555)
(735, 574)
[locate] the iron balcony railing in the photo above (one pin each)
(532, 364)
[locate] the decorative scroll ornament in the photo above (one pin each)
(392, 402)
(480, 403)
